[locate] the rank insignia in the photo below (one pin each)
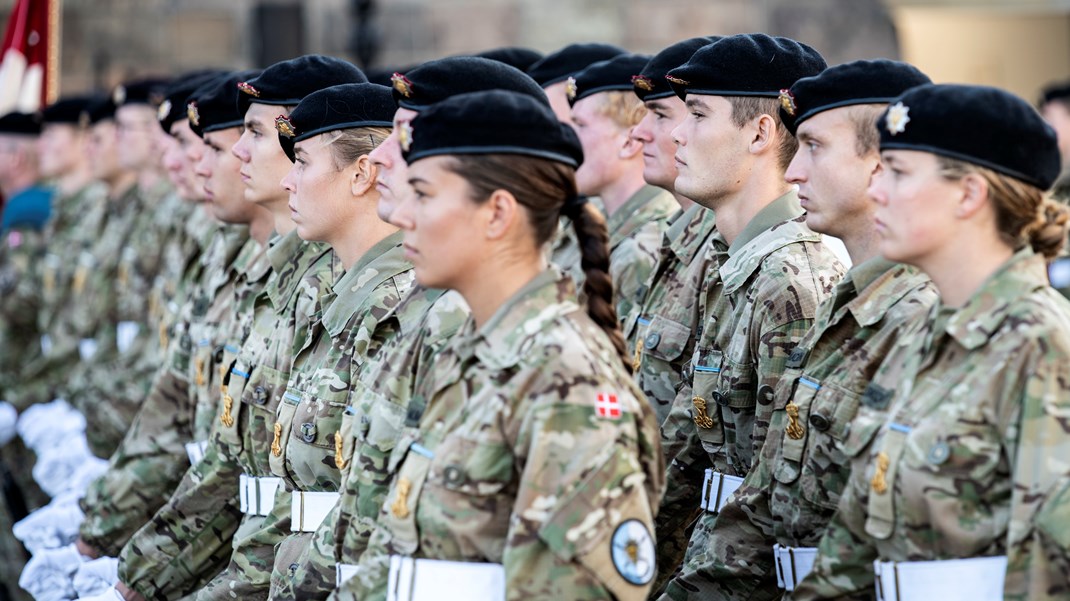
(677, 80)
(118, 95)
(285, 126)
(193, 114)
(643, 83)
(401, 84)
(571, 89)
(897, 118)
(632, 551)
(164, 110)
(405, 135)
(787, 102)
(607, 405)
(248, 89)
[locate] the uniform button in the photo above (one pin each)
(652, 341)
(939, 453)
(819, 422)
(260, 395)
(719, 398)
(308, 432)
(218, 355)
(453, 475)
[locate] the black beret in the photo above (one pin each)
(286, 83)
(610, 75)
(338, 107)
(494, 122)
(753, 64)
(20, 124)
(214, 106)
(148, 91)
(101, 109)
(73, 110)
(176, 96)
(383, 75)
(984, 126)
(559, 66)
(1055, 91)
(650, 82)
(858, 82)
(514, 56)
(439, 79)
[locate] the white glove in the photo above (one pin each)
(9, 416)
(56, 466)
(109, 595)
(51, 526)
(49, 424)
(93, 468)
(48, 574)
(96, 576)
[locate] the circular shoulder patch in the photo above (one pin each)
(632, 550)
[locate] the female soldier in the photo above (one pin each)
(961, 434)
(535, 462)
(333, 196)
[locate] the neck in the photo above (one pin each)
(262, 226)
(121, 184)
(860, 241)
(736, 210)
(684, 202)
(956, 279)
(74, 180)
(496, 281)
(621, 189)
(367, 231)
(148, 178)
(280, 212)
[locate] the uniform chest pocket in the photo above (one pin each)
(264, 389)
(705, 411)
(665, 339)
(398, 514)
(281, 431)
(472, 467)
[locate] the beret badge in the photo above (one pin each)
(248, 89)
(571, 89)
(163, 110)
(405, 135)
(193, 114)
(401, 84)
(118, 95)
(897, 118)
(677, 80)
(285, 126)
(787, 102)
(643, 82)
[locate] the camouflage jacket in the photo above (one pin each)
(960, 445)
(790, 495)
(635, 232)
(21, 249)
(662, 331)
(536, 451)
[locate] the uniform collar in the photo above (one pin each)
(777, 225)
(879, 284)
(648, 203)
(690, 231)
(291, 257)
(380, 263)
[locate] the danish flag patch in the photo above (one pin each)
(607, 405)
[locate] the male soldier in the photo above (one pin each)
(733, 150)
(426, 320)
(175, 553)
(604, 110)
(553, 71)
(788, 498)
(670, 315)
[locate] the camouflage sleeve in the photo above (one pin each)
(188, 541)
(20, 296)
(630, 266)
(1038, 535)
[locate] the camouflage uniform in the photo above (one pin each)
(179, 550)
(426, 320)
(790, 495)
(316, 443)
(514, 464)
(959, 441)
(153, 456)
(635, 232)
(772, 279)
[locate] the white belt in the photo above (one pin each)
(716, 488)
(434, 580)
(46, 344)
(125, 334)
(976, 579)
(195, 451)
(309, 509)
(87, 347)
(343, 572)
(257, 495)
(792, 565)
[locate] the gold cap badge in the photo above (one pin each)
(643, 83)
(248, 89)
(787, 102)
(193, 114)
(571, 89)
(897, 118)
(164, 110)
(401, 84)
(677, 80)
(285, 126)
(405, 135)
(118, 95)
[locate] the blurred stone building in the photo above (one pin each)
(1018, 44)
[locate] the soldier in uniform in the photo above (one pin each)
(535, 461)
(773, 270)
(959, 448)
(788, 498)
(426, 320)
(174, 554)
(604, 111)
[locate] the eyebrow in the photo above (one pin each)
(696, 103)
(416, 180)
(655, 105)
(252, 122)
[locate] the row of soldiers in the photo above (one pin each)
(569, 327)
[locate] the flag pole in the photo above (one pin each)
(55, 30)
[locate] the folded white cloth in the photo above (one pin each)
(51, 526)
(49, 424)
(96, 576)
(65, 468)
(9, 417)
(48, 575)
(108, 595)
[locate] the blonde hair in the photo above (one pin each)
(623, 108)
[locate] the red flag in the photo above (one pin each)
(29, 65)
(607, 405)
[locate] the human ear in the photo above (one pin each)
(363, 174)
(502, 211)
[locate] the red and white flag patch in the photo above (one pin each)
(607, 405)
